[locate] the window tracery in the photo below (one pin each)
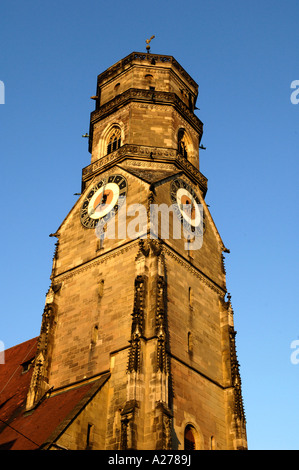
(114, 139)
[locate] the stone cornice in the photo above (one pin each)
(147, 96)
(142, 58)
(135, 244)
(145, 154)
(74, 271)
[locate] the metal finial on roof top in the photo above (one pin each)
(147, 42)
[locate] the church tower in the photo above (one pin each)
(138, 308)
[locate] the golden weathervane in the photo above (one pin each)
(147, 42)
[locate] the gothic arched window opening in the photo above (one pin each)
(189, 439)
(114, 140)
(182, 147)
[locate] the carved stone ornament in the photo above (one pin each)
(161, 331)
(128, 429)
(39, 381)
(239, 414)
(134, 362)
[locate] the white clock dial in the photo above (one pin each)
(103, 200)
(188, 207)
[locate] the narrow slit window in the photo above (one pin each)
(190, 297)
(190, 342)
(89, 435)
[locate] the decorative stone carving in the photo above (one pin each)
(164, 418)
(128, 436)
(160, 97)
(148, 58)
(162, 358)
(134, 362)
(236, 378)
(39, 381)
(239, 424)
(140, 155)
(167, 425)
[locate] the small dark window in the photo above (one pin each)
(116, 89)
(89, 436)
(149, 79)
(191, 106)
(95, 335)
(190, 342)
(190, 297)
(189, 440)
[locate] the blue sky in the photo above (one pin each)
(244, 56)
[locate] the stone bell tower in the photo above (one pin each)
(149, 312)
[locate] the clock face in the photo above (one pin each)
(187, 206)
(103, 201)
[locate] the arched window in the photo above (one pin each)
(189, 439)
(114, 139)
(149, 79)
(182, 146)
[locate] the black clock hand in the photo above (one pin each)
(104, 191)
(103, 201)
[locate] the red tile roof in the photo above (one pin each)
(27, 431)
(13, 382)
